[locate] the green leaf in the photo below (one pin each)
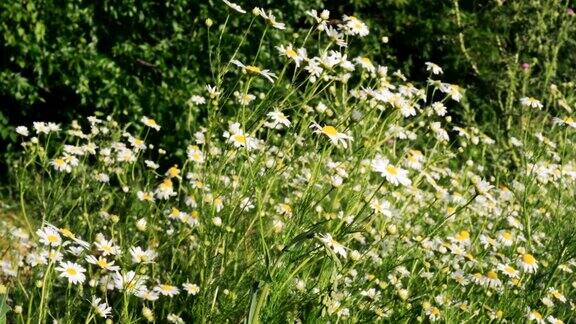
(3, 308)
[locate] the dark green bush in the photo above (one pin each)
(61, 59)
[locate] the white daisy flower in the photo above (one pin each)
(255, 70)
(333, 134)
(101, 309)
(234, 6)
(49, 236)
(72, 271)
(531, 102)
(150, 123)
(393, 174)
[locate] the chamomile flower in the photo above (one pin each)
(297, 55)
(165, 190)
(439, 108)
(145, 196)
(102, 262)
(238, 138)
(462, 237)
(534, 315)
(414, 159)
(381, 207)
(150, 123)
(564, 121)
(71, 271)
(101, 309)
(338, 248)
(365, 63)
(255, 70)
(213, 91)
(167, 290)
(454, 91)
(393, 174)
(196, 100)
(354, 26)
(142, 256)
(173, 318)
(333, 134)
(102, 177)
(528, 263)
(195, 154)
(49, 236)
(60, 164)
(553, 320)
(277, 120)
(492, 279)
(106, 247)
(433, 313)
(190, 288)
(22, 130)
(531, 102)
(440, 133)
(151, 164)
(269, 17)
(129, 281)
(435, 69)
(234, 6)
(506, 238)
(509, 271)
(149, 295)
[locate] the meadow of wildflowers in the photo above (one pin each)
(325, 188)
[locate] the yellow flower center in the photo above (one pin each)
(151, 122)
(173, 171)
(463, 235)
(59, 162)
(167, 184)
(569, 120)
(507, 235)
(391, 169)
(239, 138)
(528, 259)
(492, 275)
(71, 271)
(253, 69)
(329, 130)
(52, 238)
(509, 269)
(365, 61)
(286, 208)
(102, 263)
(291, 53)
(66, 232)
